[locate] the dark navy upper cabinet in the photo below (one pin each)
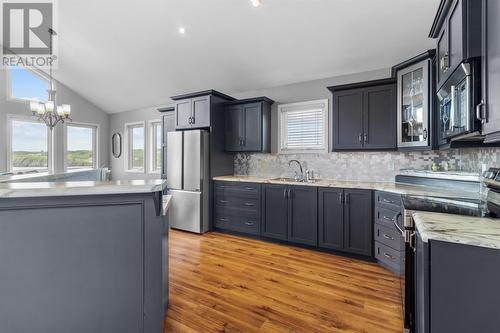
(491, 71)
(248, 125)
(364, 116)
(195, 110)
(457, 30)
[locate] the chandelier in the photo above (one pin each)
(49, 112)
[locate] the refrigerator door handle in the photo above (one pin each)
(174, 160)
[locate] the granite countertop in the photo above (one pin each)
(44, 189)
(392, 187)
(468, 230)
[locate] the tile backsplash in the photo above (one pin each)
(371, 166)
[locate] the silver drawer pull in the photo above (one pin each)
(388, 218)
(388, 201)
(223, 201)
(222, 219)
(249, 223)
(249, 188)
(249, 204)
(388, 256)
(388, 237)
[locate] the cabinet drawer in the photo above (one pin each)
(390, 258)
(238, 188)
(387, 217)
(249, 225)
(248, 203)
(389, 236)
(388, 200)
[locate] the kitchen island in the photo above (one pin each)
(83, 257)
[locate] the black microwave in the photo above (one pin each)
(457, 100)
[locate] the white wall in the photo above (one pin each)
(117, 125)
(297, 92)
(307, 91)
(81, 111)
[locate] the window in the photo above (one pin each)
(303, 127)
(155, 135)
(28, 85)
(135, 150)
(29, 145)
(81, 146)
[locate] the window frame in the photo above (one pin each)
(50, 143)
(41, 74)
(306, 104)
(128, 141)
(95, 144)
(151, 145)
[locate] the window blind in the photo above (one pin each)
(303, 127)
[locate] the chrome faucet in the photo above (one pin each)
(297, 177)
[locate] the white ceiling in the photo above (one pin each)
(127, 54)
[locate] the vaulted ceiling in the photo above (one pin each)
(127, 54)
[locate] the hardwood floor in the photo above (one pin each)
(223, 283)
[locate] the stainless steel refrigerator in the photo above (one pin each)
(188, 179)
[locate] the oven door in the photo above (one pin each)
(409, 290)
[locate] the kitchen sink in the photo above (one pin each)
(293, 180)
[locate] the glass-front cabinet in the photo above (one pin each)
(414, 105)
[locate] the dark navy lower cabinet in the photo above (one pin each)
(358, 222)
(275, 211)
(346, 220)
(331, 218)
(303, 215)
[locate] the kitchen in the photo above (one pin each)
(356, 191)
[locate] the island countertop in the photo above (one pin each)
(393, 187)
(467, 230)
(45, 189)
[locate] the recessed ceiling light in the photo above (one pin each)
(182, 30)
(256, 3)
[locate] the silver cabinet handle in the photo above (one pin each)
(360, 137)
(223, 201)
(284, 194)
(223, 219)
(444, 62)
(388, 237)
(249, 223)
(249, 204)
(341, 198)
(388, 256)
(388, 201)
(249, 188)
(479, 115)
(396, 224)
(424, 134)
(387, 218)
(365, 138)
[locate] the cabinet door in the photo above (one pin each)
(358, 222)
(252, 127)
(331, 218)
(379, 120)
(183, 114)
(303, 215)
(168, 126)
(201, 111)
(455, 35)
(421, 275)
(491, 65)
(413, 105)
(442, 55)
(234, 120)
(275, 211)
(348, 119)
